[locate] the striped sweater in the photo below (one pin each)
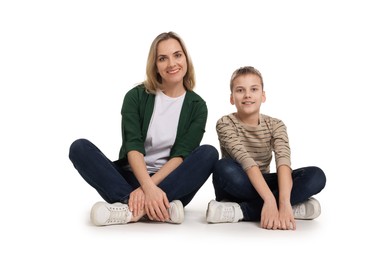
(253, 146)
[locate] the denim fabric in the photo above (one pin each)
(114, 184)
(231, 183)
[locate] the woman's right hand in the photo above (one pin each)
(137, 202)
(156, 203)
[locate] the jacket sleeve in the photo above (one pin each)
(132, 138)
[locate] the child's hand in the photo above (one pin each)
(270, 216)
(286, 217)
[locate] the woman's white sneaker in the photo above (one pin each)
(103, 214)
(176, 212)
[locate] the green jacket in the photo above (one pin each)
(137, 110)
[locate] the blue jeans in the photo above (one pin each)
(231, 183)
(114, 184)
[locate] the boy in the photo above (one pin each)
(244, 187)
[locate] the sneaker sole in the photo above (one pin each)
(210, 214)
(180, 219)
(207, 213)
(317, 208)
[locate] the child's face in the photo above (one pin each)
(247, 94)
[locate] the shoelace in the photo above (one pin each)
(300, 210)
(228, 213)
(117, 215)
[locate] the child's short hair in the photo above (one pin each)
(244, 71)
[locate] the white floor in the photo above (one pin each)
(60, 229)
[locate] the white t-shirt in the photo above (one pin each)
(162, 130)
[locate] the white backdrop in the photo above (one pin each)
(65, 67)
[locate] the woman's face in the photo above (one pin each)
(171, 62)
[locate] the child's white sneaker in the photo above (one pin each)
(223, 212)
(309, 209)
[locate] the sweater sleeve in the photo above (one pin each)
(231, 144)
(280, 144)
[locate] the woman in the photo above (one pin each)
(161, 165)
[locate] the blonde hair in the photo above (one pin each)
(245, 71)
(153, 79)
